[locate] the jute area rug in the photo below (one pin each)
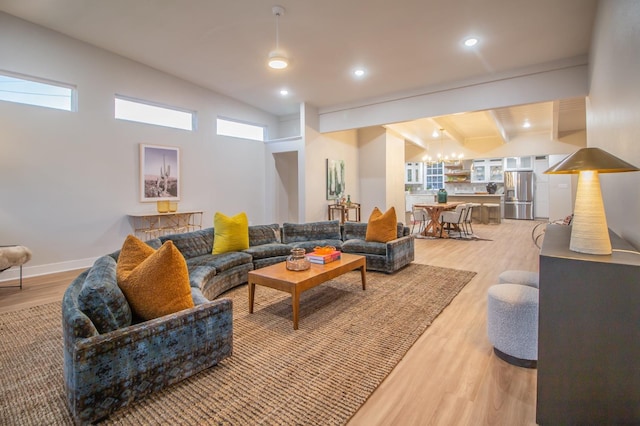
(348, 342)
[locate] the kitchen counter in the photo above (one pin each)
(471, 197)
(480, 199)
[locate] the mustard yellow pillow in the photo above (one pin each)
(230, 233)
(159, 285)
(133, 252)
(382, 227)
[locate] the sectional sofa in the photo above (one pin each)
(111, 359)
(269, 244)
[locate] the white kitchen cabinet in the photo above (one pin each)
(413, 173)
(518, 163)
(487, 170)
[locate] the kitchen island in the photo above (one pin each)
(461, 197)
(479, 198)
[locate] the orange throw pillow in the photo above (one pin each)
(133, 252)
(382, 227)
(159, 284)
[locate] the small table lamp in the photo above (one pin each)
(589, 231)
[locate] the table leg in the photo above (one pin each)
(295, 305)
(252, 291)
(363, 276)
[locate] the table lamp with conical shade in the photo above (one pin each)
(589, 231)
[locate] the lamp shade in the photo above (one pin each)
(589, 230)
(591, 159)
(278, 60)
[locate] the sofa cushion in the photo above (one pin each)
(199, 275)
(299, 232)
(159, 285)
(354, 230)
(221, 262)
(382, 227)
(362, 246)
(192, 244)
(231, 233)
(102, 300)
(264, 234)
(268, 250)
(133, 252)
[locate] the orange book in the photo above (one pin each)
(323, 258)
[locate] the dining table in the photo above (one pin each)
(434, 228)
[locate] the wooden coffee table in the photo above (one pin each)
(295, 282)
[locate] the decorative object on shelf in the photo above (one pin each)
(335, 179)
(162, 206)
(492, 187)
(173, 206)
(297, 261)
(277, 58)
(159, 173)
(589, 233)
(442, 196)
(348, 200)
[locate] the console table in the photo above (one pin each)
(344, 210)
(152, 225)
(588, 329)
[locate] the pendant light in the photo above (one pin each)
(277, 58)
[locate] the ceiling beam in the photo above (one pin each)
(453, 134)
(411, 138)
(499, 126)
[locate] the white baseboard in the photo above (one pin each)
(50, 268)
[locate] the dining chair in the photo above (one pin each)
(420, 216)
(468, 217)
(453, 218)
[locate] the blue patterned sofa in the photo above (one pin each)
(214, 274)
(111, 361)
(269, 244)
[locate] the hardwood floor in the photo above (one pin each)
(450, 376)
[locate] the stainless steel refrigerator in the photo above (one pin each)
(518, 195)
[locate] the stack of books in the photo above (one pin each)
(322, 258)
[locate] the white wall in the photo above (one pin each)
(336, 146)
(68, 179)
(381, 171)
(395, 174)
(613, 109)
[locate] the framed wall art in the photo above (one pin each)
(335, 179)
(159, 173)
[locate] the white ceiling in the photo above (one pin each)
(404, 44)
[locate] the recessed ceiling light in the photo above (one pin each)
(359, 72)
(471, 41)
(526, 124)
(284, 92)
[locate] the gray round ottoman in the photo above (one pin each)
(519, 277)
(512, 323)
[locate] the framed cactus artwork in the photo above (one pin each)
(159, 173)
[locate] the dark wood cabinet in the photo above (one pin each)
(588, 334)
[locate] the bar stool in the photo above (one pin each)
(493, 212)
